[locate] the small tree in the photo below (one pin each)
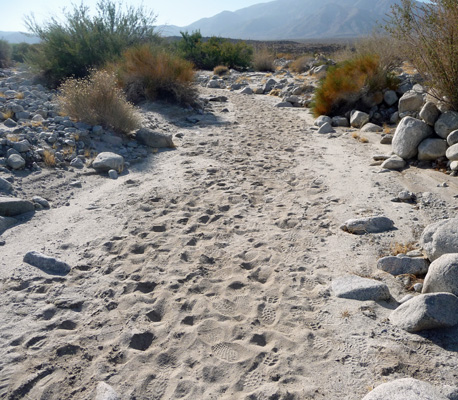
(429, 34)
(5, 54)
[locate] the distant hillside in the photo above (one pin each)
(18, 37)
(293, 19)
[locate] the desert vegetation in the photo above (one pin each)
(263, 60)
(5, 54)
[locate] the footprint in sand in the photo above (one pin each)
(267, 314)
(230, 352)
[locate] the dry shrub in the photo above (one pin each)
(301, 65)
(97, 100)
(152, 73)
(401, 248)
(221, 70)
(263, 61)
(49, 158)
(428, 32)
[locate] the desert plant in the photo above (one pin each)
(263, 61)
(49, 158)
(5, 54)
(83, 42)
(97, 100)
(221, 70)
(301, 64)
(152, 73)
(428, 32)
(348, 82)
(20, 50)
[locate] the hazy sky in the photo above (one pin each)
(173, 12)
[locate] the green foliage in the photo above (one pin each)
(5, 54)
(214, 51)
(83, 41)
(429, 34)
(20, 51)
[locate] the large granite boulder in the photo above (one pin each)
(408, 136)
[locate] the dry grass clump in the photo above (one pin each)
(97, 100)
(263, 61)
(401, 248)
(7, 114)
(49, 158)
(301, 65)
(221, 70)
(361, 139)
(152, 73)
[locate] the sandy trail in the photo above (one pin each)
(205, 272)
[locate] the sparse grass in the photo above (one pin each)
(97, 100)
(2, 94)
(7, 114)
(386, 129)
(345, 314)
(152, 73)
(359, 138)
(301, 65)
(20, 95)
(401, 248)
(263, 61)
(275, 92)
(49, 158)
(67, 151)
(221, 70)
(13, 138)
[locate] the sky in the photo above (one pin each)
(170, 12)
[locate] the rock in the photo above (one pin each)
(443, 275)
(269, 85)
(401, 265)
(113, 174)
(454, 165)
(370, 127)
(15, 161)
(22, 147)
(447, 123)
(362, 289)
(41, 201)
(386, 139)
(431, 149)
(214, 84)
(283, 104)
(106, 161)
(358, 119)
(6, 222)
(77, 163)
(394, 119)
(411, 102)
(409, 134)
(320, 71)
(154, 139)
(427, 311)
(246, 90)
(340, 121)
(418, 287)
(394, 162)
(368, 225)
(326, 128)
(452, 153)
(405, 389)
(452, 138)
(5, 186)
(440, 238)
(406, 196)
(9, 123)
(390, 97)
(106, 392)
(47, 264)
(321, 120)
(11, 206)
(430, 113)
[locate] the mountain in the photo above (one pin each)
(293, 19)
(18, 37)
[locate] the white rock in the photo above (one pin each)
(408, 136)
(358, 119)
(401, 265)
(432, 149)
(154, 139)
(452, 138)
(411, 101)
(394, 162)
(447, 123)
(440, 238)
(326, 128)
(322, 119)
(362, 289)
(430, 113)
(113, 174)
(47, 264)
(370, 127)
(107, 160)
(106, 392)
(15, 161)
(443, 275)
(246, 90)
(452, 153)
(367, 225)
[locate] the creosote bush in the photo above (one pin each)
(5, 54)
(152, 73)
(82, 42)
(263, 61)
(428, 32)
(97, 100)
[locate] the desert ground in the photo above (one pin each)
(205, 271)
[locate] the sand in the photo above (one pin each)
(205, 272)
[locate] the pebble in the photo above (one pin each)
(47, 264)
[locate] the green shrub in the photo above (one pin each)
(20, 51)
(348, 82)
(5, 54)
(428, 32)
(97, 100)
(152, 73)
(263, 61)
(83, 41)
(213, 52)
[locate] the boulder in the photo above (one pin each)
(22, 146)
(154, 139)
(431, 149)
(427, 311)
(368, 225)
(246, 90)
(11, 206)
(269, 85)
(411, 102)
(358, 119)
(320, 71)
(390, 97)
(440, 238)
(214, 84)
(362, 289)
(5, 186)
(443, 275)
(15, 161)
(340, 121)
(6, 223)
(107, 160)
(405, 389)
(77, 163)
(370, 127)
(283, 104)
(452, 153)
(326, 128)
(401, 265)
(106, 392)
(430, 113)
(394, 162)
(10, 123)
(452, 138)
(47, 264)
(447, 123)
(322, 119)
(409, 134)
